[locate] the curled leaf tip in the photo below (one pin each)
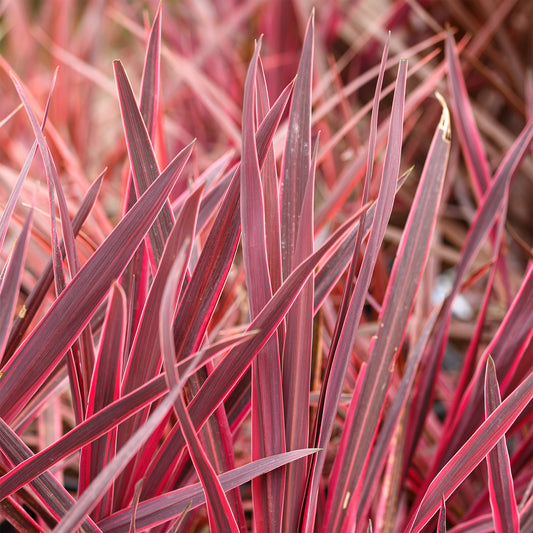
(444, 123)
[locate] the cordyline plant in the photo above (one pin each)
(253, 346)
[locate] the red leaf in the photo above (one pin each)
(43, 348)
(221, 517)
(473, 452)
(142, 158)
(501, 487)
(340, 353)
(104, 390)
(268, 437)
(10, 281)
(160, 509)
(51, 493)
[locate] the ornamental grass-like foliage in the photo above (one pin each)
(266, 267)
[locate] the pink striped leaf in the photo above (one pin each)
(269, 180)
(501, 487)
(50, 492)
(441, 527)
(155, 511)
(149, 104)
(471, 144)
(405, 277)
(472, 452)
(297, 153)
(338, 360)
(52, 337)
(268, 437)
(10, 281)
(297, 355)
(142, 158)
(104, 390)
(220, 515)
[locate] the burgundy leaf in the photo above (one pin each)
(268, 437)
(221, 517)
(42, 350)
(472, 147)
(338, 359)
(442, 517)
(10, 281)
(142, 158)
(165, 507)
(297, 153)
(51, 493)
(297, 355)
(405, 277)
(473, 452)
(501, 487)
(104, 390)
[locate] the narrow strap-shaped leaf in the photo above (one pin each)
(379, 451)
(269, 178)
(53, 179)
(484, 219)
(144, 361)
(10, 205)
(227, 374)
(464, 121)
(149, 103)
(297, 356)
(101, 422)
(134, 277)
(348, 290)
(268, 437)
(297, 153)
(501, 487)
(220, 515)
(52, 337)
(36, 296)
(405, 277)
(142, 157)
(338, 360)
(441, 528)
(10, 283)
(104, 390)
(162, 508)
(472, 453)
(51, 493)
